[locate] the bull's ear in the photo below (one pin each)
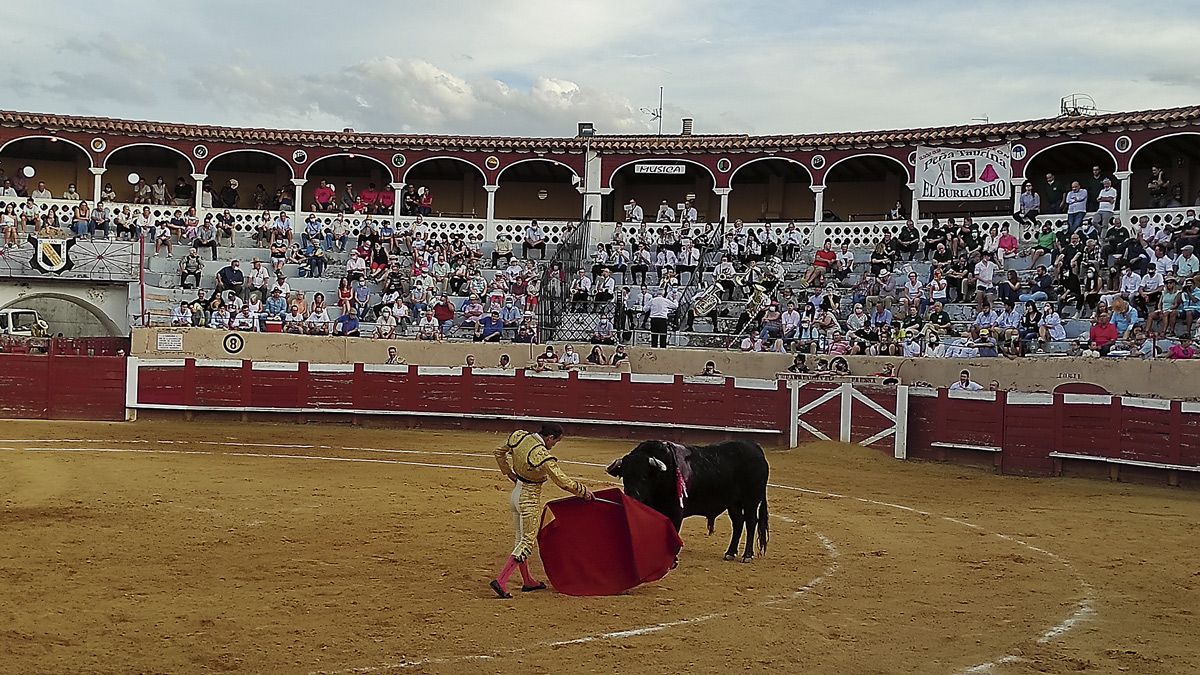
(658, 464)
(614, 469)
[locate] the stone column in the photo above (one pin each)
(397, 199)
(96, 180)
(723, 193)
(819, 233)
(199, 178)
(297, 205)
(1125, 206)
(489, 232)
(914, 209)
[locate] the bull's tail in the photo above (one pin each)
(764, 529)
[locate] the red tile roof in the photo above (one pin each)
(631, 144)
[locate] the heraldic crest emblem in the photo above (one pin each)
(51, 251)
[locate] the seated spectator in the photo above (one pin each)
(620, 355)
(597, 357)
(231, 278)
(347, 324)
(245, 320)
(356, 267)
(490, 328)
(276, 305)
(190, 267)
(535, 238)
(799, 364)
(604, 333)
(1183, 350)
(182, 315)
(547, 359)
(428, 328)
(293, 321)
(385, 324)
(569, 358)
(318, 322)
(1103, 334)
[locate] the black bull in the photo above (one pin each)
(705, 480)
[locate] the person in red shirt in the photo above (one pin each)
(368, 200)
(1183, 350)
(387, 199)
(323, 195)
(1103, 334)
(443, 311)
(822, 262)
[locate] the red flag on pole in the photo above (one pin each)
(607, 546)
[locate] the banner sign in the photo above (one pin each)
(661, 169)
(964, 173)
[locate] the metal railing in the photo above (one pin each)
(554, 303)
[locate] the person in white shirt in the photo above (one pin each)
(606, 286)
(790, 320)
(666, 260)
(1131, 284)
(659, 308)
(1187, 265)
(181, 315)
(688, 260)
(1106, 204)
(633, 212)
(535, 238)
(688, 214)
(245, 320)
(356, 267)
(428, 328)
(41, 192)
(581, 289)
(985, 273)
(283, 226)
(666, 214)
(569, 357)
(964, 383)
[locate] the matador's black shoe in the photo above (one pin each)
(539, 586)
(500, 592)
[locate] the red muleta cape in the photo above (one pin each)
(601, 548)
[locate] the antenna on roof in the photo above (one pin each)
(984, 119)
(1077, 105)
(656, 114)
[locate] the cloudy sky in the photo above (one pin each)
(536, 67)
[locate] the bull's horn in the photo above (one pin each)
(658, 464)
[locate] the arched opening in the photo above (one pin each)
(694, 182)
(456, 186)
(1178, 155)
(538, 189)
(771, 189)
(1067, 162)
(251, 169)
(56, 163)
(150, 162)
(69, 315)
(356, 173)
(865, 187)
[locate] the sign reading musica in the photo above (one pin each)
(661, 169)
(964, 173)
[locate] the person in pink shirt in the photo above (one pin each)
(1183, 350)
(323, 196)
(368, 200)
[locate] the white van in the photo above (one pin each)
(21, 322)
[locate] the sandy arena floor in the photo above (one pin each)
(228, 548)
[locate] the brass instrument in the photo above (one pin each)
(704, 302)
(756, 303)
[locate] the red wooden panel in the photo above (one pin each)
(1189, 439)
(1028, 440)
(24, 386)
(553, 396)
(496, 394)
(331, 391)
(441, 393)
(219, 387)
(599, 399)
(274, 389)
(1087, 429)
(87, 388)
(970, 421)
(1146, 435)
(388, 391)
(164, 386)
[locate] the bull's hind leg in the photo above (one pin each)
(735, 515)
(751, 518)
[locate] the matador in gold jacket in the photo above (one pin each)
(525, 458)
